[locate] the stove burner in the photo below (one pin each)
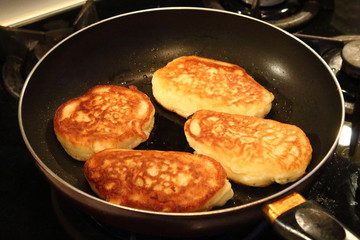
(285, 14)
(79, 225)
(22, 48)
(351, 59)
(12, 77)
(264, 3)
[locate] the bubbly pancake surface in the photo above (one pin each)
(254, 151)
(106, 116)
(165, 181)
(191, 83)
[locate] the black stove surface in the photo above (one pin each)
(32, 210)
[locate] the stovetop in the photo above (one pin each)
(32, 210)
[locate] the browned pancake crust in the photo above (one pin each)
(105, 115)
(154, 180)
(215, 77)
(274, 147)
(222, 84)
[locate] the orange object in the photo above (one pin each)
(275, 209)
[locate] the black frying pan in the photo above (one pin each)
(127, 49)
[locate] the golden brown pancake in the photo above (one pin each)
(165, 181)
(253, 151)
(191, 83)
(107, 116)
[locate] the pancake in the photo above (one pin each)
(191, 83)
(254, 151)
(107, 116)
(164, 181)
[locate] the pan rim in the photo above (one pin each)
(49, 173)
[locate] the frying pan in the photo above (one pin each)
(126, 50)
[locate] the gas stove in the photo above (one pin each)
(35, 211)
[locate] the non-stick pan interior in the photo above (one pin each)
(126, 50)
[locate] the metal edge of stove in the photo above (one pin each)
(16, 15)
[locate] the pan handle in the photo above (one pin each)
(293, 217)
